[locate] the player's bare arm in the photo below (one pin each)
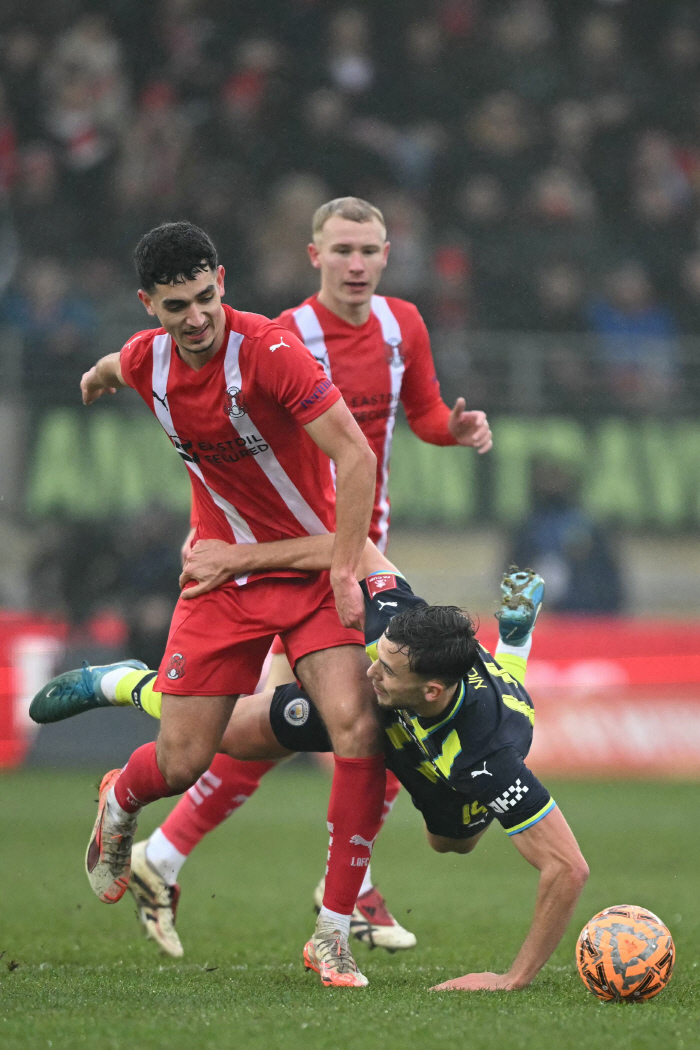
(103, 378)
(550, 847)
(212, 562)
(470, 428)
(337, 434)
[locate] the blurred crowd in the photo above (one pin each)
(538, 161)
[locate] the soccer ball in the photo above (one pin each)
(625, 952)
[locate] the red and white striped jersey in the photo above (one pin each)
(238, 424)
(375, 365)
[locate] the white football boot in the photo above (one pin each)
(156, 902)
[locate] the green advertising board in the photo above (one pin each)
(640, 474)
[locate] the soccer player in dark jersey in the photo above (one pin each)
(457, 730)
(257, 423)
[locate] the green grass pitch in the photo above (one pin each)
(78, 973)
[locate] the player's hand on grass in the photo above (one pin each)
(477, 982)
(92, 386)
(210, 563)
(349, 601)
(470, 428)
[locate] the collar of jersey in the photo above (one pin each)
(426, 724)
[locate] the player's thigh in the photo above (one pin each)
(191, 729)
(280, 672)
(336, 680)
(249, 735)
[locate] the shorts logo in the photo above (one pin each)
(296, 712)
(380, 581)
(510, 797)
(176, 667)
(234, 403)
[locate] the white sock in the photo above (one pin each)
(115, 810)
(110, 681)
(335, 919)
(162, 855)
(367, 883)
(515, 650)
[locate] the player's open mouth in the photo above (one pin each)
(357, 286)
(196, 337)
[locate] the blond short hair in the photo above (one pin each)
(352, 208)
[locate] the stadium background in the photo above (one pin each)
(538, 164)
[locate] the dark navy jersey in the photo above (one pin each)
(464, 767)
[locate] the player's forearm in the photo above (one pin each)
(356, 474)
(558, 891)
(108, 371)
(307, 553)
(431, 426)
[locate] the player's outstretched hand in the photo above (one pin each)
(92, 386)
(470, 428)
(210, 563)
(349, 601)
(477, 982)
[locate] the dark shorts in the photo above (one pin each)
(448, 813)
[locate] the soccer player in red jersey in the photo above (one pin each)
(377, 352)
(257, 422)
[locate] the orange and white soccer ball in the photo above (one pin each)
(625, 952)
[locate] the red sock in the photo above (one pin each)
(225, 786)
(393, 786)
(354, 819)
(141, 781)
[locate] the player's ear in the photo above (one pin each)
(313, 255)
(385, 256)
(147, 302)
(220, 274)
(433, 691)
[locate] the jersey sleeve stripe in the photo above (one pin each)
(531, 821)
(267, 460)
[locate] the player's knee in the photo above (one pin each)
(579, 871)
(356, 738)
(181, 770)
(441, 844)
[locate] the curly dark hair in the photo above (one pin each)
(439, 641)
(172, 253)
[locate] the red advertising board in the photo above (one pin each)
(615, 698)
(29, 648)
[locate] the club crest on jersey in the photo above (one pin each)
(176, 667)
(393, 354)
(380, 581)
(296, 712)
(234, 403)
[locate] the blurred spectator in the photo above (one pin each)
(283, 264)
(638, 338)
(46, 221)
(350, 64)
(57, 326)
(22, 61)
(559, 293)
(572, 553)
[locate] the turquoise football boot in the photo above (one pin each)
(523, 593)
(73, 692)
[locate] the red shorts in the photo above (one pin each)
(218, 642)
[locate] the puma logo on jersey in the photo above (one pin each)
(357, 840)
(481, 772)
(382, 604)
(278, 345)
(163, 400)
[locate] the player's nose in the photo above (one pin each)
(195, 317)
